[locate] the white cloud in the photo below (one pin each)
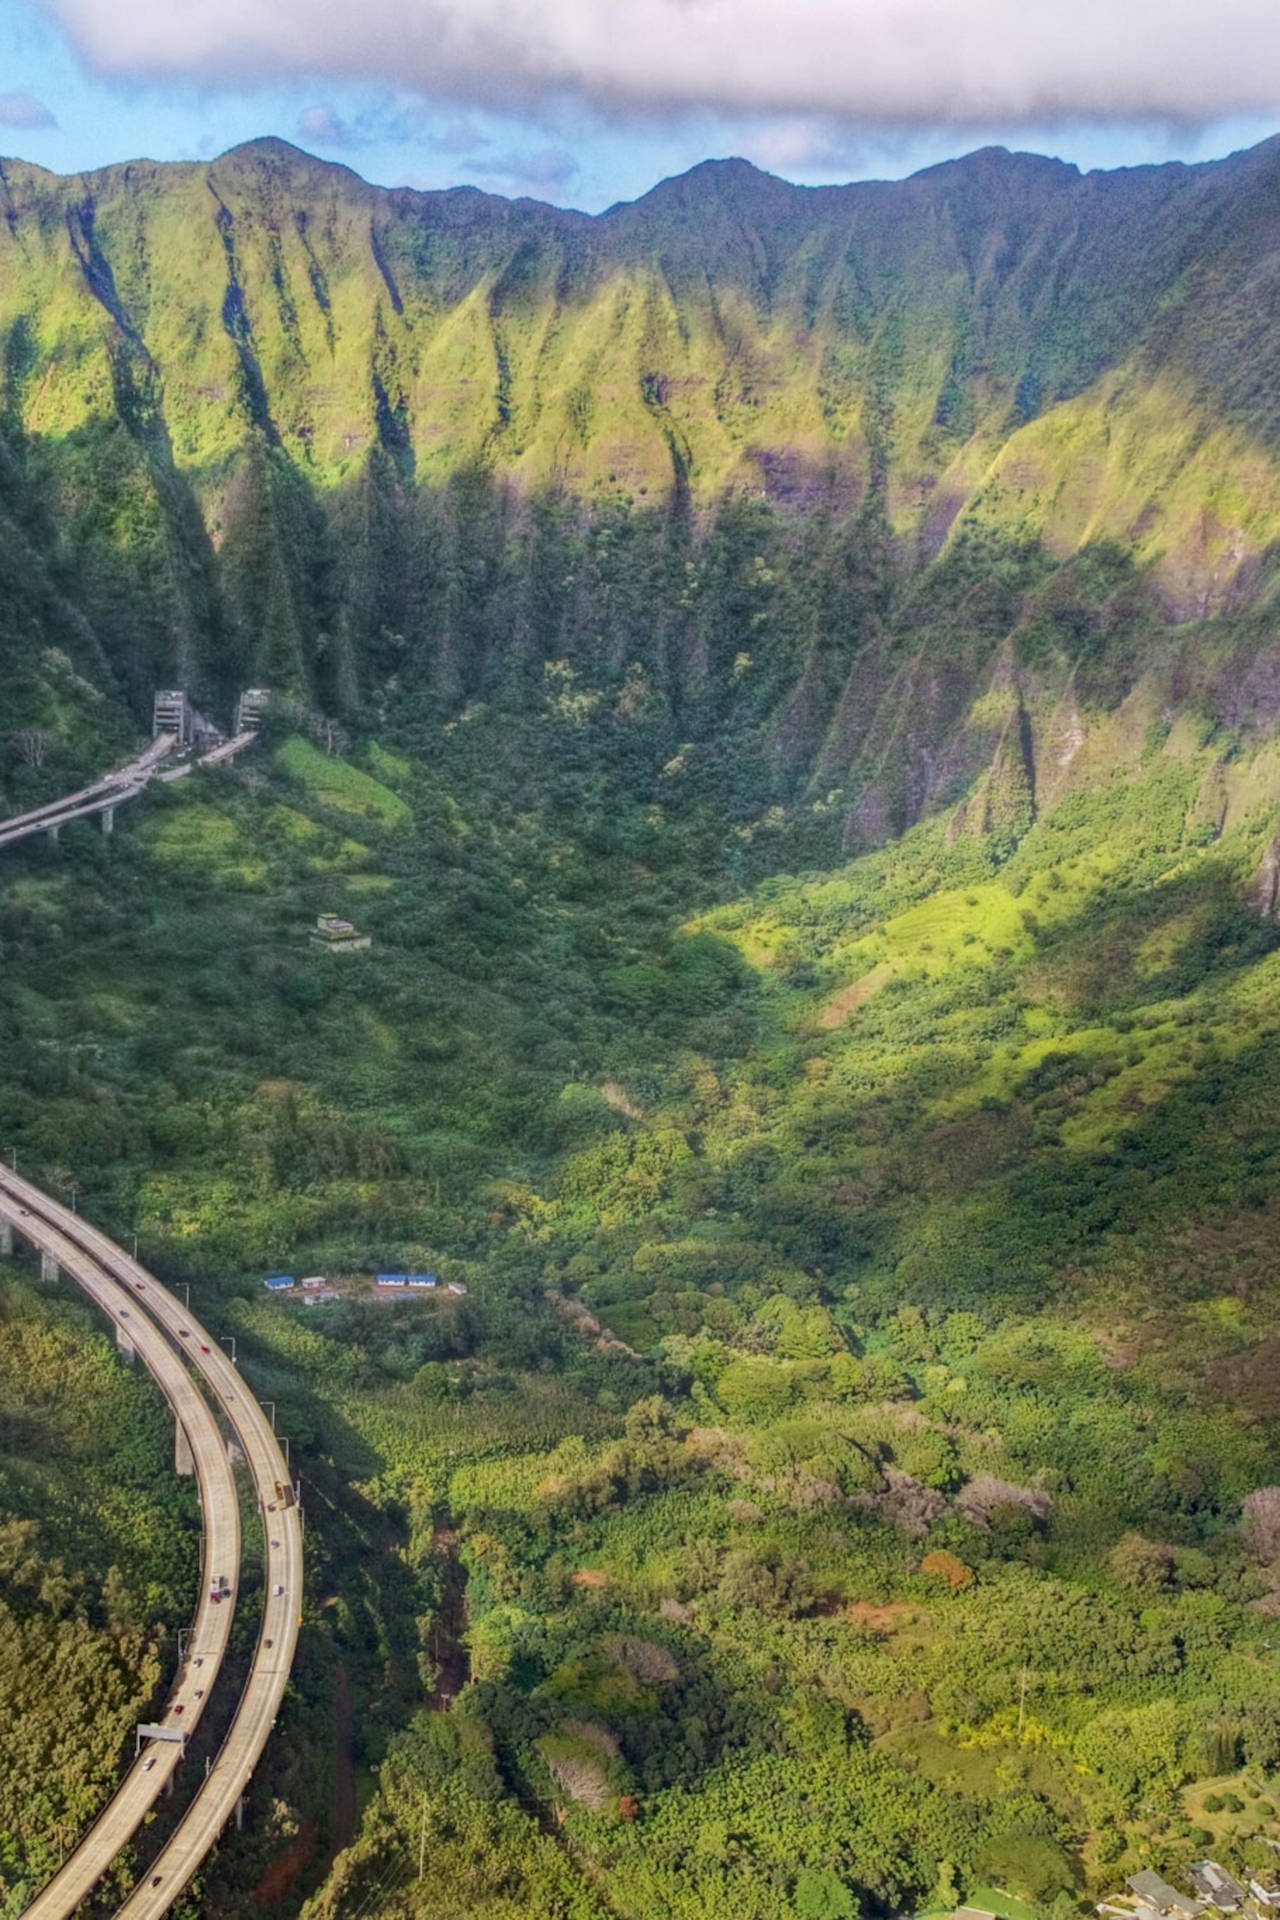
(324, 126)
(542, 172)
(961, 63)
(24, 110)
(804, 144)
(458, 136)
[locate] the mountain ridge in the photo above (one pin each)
(265, 423)
(852, 254)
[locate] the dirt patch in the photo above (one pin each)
(448, 1629)
(344, 1784)
(589, 1577)
(873, 1619)
(278, 1880)
(620, 1100)
(841, 1005)
(1250, 1380)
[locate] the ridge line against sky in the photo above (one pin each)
(726, 162)
(588, 102)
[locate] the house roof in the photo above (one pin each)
(1153, 1888)
(1207, 1873)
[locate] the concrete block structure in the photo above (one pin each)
(338, 936)
(171, 713)
(251, 709)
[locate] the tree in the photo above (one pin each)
(949, 1567)
(822, 1895)
(1260, 1523)
(1144, 1565)
(33, 744)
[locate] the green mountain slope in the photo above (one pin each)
(789, 682)
(728, 325)
(247, 393)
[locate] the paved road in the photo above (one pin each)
(214, 758)
(110, 791)
(115, 788)
(150, 1774)
(97, 1262)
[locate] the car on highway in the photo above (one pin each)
(203, 1347)
(277, 1590)
(148, 1764)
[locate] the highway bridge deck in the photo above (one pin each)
(173, 1344)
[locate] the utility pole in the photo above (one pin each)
(229, 1340)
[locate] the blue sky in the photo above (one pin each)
(559, 122)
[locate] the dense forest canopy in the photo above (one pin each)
(788, 681)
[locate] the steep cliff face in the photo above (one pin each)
(727, 327)
(835, 464)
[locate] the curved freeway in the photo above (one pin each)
(151, 1772)
(124, 784)
(115, 788)
(165, 1334)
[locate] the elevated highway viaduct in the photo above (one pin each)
(197, 1378)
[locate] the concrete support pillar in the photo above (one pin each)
(48, 1265)
(108, 820)
(240, 1814)
(235, 1453)
(53, 833)
(6, 1237)
(183, 1460)
(125, 1344)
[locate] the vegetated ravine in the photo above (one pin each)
(788, 680)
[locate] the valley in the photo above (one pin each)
(823, 1008)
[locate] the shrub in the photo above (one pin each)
(947, 1566)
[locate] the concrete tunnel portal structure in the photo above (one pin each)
(182, 739)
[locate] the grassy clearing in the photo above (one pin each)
(336, 784)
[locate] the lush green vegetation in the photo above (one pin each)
(846, 1435)
(97, 1564)
(823, 1011)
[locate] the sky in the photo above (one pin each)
(587, 102)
